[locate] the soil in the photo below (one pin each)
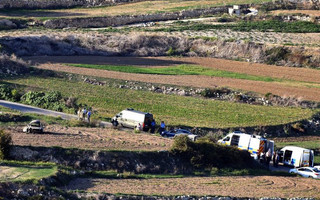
(242, 186)
(297, 139)
(90, 138)
(306, 12)
(278, 88)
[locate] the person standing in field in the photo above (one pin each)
(153, 126)
(79, 114)
(89, 115)
(84, 112)
(162, 127)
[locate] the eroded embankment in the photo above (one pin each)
(137, 44)
(47, 4)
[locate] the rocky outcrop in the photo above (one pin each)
(95, 22)
(47, 4)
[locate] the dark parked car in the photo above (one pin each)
(175, 132)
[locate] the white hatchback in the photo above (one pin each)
(306, 172)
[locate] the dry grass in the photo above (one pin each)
(315, 13)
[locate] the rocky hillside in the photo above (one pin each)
(157, 45)
(45, 4)
(11, 65)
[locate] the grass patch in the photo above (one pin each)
(15, 171)
(178, 70)
(174, 110)
(263, 26)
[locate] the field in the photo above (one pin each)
(91, 139)
(243, 186)
(174, 110)
(144, 7)
(24, 171)
(283, 81)
(258, 56)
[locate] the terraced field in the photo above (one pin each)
(301, 83)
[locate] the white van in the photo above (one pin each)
(255, 144)
(296, 156)
(131, 118)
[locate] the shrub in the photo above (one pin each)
(204, 154)
(5, 92)
(50, 100)
(276, 54)
(5, 144)
(171, 52)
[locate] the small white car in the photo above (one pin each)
(317, 167)
(306, 172)
(176, 132)
(35, 126)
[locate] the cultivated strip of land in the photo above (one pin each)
(243, 186)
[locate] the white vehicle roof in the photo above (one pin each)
(294, 148)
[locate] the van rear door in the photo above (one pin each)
(305, 158)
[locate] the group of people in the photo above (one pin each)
(152, 126)
(84, 114)
(265, 158)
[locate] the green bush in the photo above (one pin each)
(50, 100)
(5, 144)
(5, 92)
(205, 154)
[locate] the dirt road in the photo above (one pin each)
(294, 90)
(90, 138)
(242, 186)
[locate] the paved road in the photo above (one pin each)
(31, 109)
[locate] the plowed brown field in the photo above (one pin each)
(91, 138)
(242, 186)
(297, 90)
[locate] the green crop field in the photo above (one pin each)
(174, 110)
(196, 70)
(178, 70)
(25, 171)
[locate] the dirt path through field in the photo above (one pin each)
(242, 186)
(197, 81)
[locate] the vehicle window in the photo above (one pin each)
(226, 139)
(35, 124)
(301, 170)
(308, 170)
(185, 131)
(316, 170)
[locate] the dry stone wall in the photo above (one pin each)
(46, 4)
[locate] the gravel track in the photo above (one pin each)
(298, 74)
